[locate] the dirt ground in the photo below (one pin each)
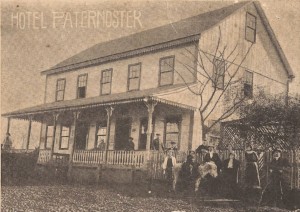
(111, 197)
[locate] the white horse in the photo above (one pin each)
(204, 169)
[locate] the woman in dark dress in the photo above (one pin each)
(230, 172)
(251, 173)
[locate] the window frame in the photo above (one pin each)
(63, 90)
(167, 120)
(60, 138)
(246, 83)
(46, 137)
(128, 78)
(101, 83)
(98, 124)
(216, 81)
(250, 27)
(160, 71)
(86, 79)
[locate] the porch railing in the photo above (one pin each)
(44, 156)
(135, 158)
(89, 157)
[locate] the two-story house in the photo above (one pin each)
(140, 85)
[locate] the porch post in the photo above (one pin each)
(197, 131)
(150, 106)
(109, 111)
(8, 125)
(72, 142)
(28, 132)
(55, 117)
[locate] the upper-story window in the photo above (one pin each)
(250, 31)
(60, 89)
(81, 86)
(248, 84)
(218, 73)
(106, 78)
(134, 76)
(166, 70)
(49, 137)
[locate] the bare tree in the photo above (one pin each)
(217, 79)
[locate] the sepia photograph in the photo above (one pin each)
(150, 105)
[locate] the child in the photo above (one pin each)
(168, 165)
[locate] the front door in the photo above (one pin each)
(123, 127)
(81, 135)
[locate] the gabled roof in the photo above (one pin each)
(183, 31)
(113, 99)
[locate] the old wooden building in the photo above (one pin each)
(139, 86)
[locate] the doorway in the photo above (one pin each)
(123, 128)
(81, 135)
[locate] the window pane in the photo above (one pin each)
(82, 81)
(81, 92)
(101, 131)
(59, 95)
(60, 84)
(166, 78)
(248, 90)
(50, 130)
(251, 21)
(248, 77)
(65, 131)
(134, 71)
(106, 76)
(134, 84)
(64, 143)
(105, 88)
(49, 142)
(250, 34)
(167, 64)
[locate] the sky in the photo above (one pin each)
(36, 35)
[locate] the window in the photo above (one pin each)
(101, 135)
(81, 86)
(250, 31)
(49, 137)
(134, 73)
(248, 84)
(106, 77)
(172, 131)
(166, 66)
(60, 89)
(218, 73)
(64, 137)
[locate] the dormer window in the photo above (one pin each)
(250, 31)
(81, 86)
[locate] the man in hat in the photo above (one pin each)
(156, 144)
(277, 185)
(7, 143)
(130, 144)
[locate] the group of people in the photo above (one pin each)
(228, 173)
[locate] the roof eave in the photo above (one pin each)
(274, 40)
(123, 55)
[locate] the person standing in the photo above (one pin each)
(130, 144)
(168, 166)
(213, 183)
(230, 172)
(189, 172)
(251, 172)
(213, 156)
(156, 143)
(7, 142)
(277, 186)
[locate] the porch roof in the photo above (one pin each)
(159, 94)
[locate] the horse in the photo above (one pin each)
(203, 169)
